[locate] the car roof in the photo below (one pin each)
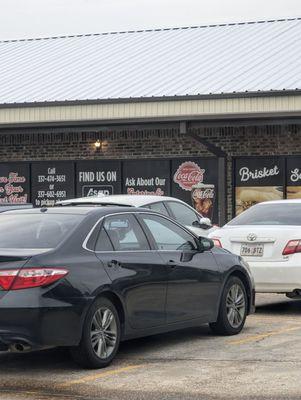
(287, 201)
(122, 199)
(12, 206)
(75, 210)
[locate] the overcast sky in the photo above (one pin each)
(43, 18)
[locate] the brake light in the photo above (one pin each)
(7, 278)
(217, 242)
(30, 277)
(292, 247)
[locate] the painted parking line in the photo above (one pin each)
(93, 377)
(264, 335)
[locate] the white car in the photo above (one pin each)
(268, 237)
(170, 206)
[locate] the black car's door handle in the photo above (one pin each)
(114, 263)
(172, 263)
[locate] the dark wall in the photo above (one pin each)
(151, 143)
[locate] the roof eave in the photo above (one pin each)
(238, 95)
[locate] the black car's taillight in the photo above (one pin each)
(15, 279)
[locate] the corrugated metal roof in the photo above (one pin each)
(243, 57)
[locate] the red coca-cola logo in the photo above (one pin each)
(188, 174)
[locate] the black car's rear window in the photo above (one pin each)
(35, 231)
(270, 214)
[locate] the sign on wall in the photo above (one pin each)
(195, 181)
(98, 177)
(51, 182)
(293, 178)
(14, 183)
(257, 179)
(146, 177)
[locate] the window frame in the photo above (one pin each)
(97, 236)
(100, 225)
(93, 233)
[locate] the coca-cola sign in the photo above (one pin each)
(188, 174)
(203, 193)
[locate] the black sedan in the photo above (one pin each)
(88, 277)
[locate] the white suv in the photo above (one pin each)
(268, 237)
(170, 206)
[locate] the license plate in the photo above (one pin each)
(252, 250)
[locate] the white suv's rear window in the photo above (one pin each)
(270, 214)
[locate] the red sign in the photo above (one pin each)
(188, 174)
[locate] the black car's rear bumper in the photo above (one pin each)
(39, 328)
(58, 324)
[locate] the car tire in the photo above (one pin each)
(100, 337)
(233, 308)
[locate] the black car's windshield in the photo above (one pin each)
(270, 214)
(35, 231)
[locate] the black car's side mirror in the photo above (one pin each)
(205, 244)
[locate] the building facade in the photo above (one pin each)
(228, 117)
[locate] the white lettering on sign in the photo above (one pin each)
(86, 176)
(156, 181)
(295, 175)
(246, 174)
(98, 176)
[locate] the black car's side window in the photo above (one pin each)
(167, 235)
(125, 233)
(182, 213)
(103, 242)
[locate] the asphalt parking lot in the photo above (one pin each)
(261, 363)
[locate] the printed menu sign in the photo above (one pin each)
(14, 183)
(146, 177)
(51, 182)
(293, 178)
(257, 180)
(195, 180)
(98, 177)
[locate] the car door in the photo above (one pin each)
(186, 216)
(194, 278)
(137, 272)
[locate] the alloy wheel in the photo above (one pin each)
(235, 305)
(103, 332)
